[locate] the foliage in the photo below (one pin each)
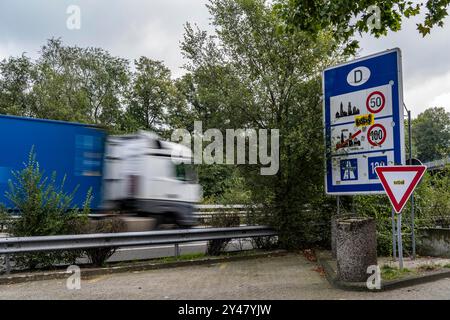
(151, 96)
(434, 199)
(251, 75)
(43, 209)
(78, 84)
(223, 219)
(431, 134)
(379, 208)
(346, 17)
(5, 218)
(98, 256)
(15, 84)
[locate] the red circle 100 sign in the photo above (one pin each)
(375, 102)
(376, 135)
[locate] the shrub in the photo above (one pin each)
(4, 218)
(43, 209)
(98, 256)
(222, 219)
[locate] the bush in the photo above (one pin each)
(433, 199)
(43, 209)
(98, 256)
(222, 219)
(379, 208)
(5, 218)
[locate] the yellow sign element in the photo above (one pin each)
(364, 120)
(399, 181)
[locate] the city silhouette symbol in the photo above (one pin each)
(351, 111)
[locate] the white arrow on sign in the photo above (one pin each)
(399, 182)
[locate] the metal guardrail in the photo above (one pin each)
(246, 214)
(102, 240)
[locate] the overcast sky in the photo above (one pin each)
(154, 28)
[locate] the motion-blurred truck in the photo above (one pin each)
(137, 174)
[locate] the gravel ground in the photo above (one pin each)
(285, 277)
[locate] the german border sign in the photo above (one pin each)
(363, 121)
(399, 182)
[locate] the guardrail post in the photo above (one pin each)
(177, 250)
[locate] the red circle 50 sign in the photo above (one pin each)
(375, 102)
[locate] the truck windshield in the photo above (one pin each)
(186, 172)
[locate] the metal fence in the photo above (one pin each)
(245, 215)
(10, 246)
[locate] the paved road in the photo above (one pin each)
(286, 277)
(150, 252)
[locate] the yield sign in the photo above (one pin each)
(399, 182)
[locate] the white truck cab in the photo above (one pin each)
(149, 176)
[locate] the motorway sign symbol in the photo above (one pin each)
(399, 182)
(363, 121)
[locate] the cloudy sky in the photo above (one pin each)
(154, 28)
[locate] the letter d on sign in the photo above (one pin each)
(358, 76)
(374, 280)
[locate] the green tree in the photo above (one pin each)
(79, 84)
(255, 74)
(431, 134)
(152, 95)
(15, 83)
(344, 18)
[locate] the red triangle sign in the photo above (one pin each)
(399, 182)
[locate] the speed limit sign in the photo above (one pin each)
(376, 135)
(375, 102)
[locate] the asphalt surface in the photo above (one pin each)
(150, 252)
(284, 277)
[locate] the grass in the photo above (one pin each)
(428, 267)
(182, 257)
(391, 273)
(196, 256)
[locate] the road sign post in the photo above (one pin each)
(413, 237)
(363, 122)
(399, 183)
(399, 241)
(394, 236)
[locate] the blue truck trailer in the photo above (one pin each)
(71, 149)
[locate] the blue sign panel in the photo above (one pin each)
(363, 120)
(374, 162)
